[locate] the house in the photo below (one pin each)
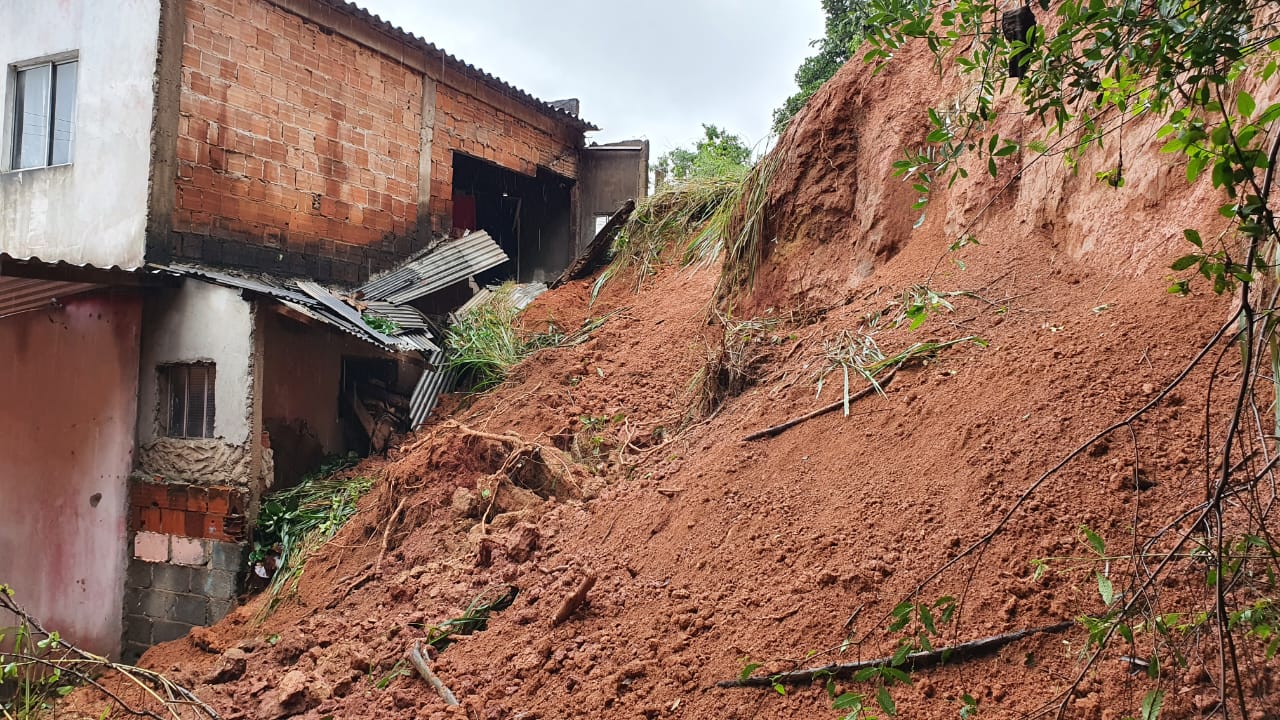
(202, 202)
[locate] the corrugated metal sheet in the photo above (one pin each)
(430, 387)
(405, 316)
(19, 295)
(436, 270)
(275, 287)
(318, 303)
(519, 296)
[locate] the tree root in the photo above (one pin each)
(574, 601)
(963, 651)
(543, 469)
(419, 663)
(782, 427)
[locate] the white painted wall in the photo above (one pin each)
(198, 323)
(95, 209)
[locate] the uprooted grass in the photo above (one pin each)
(712, 217)
(485, 343)
(669, 216)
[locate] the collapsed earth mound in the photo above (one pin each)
(710, 552)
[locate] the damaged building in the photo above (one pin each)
(229, 232)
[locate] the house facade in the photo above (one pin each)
(202, 202)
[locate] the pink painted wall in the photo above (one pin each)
(68, 396)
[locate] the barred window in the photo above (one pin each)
(186, 392)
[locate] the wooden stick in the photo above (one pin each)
(837, 405)
(574, 601)
(420, 664)
(963, 651)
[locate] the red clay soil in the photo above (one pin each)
(709, 550)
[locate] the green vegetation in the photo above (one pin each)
(293, 523)
(848, 22)
(718, 155)
(485, 343)
(37, 667)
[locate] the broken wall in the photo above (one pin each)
(69, 380)
(611, 175)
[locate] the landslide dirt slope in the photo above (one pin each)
(709, 549)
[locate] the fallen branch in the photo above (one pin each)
(963, 651)
(420, 664)
(574, 601)
(780, 428)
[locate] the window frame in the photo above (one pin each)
(12, 134)
(165, 391)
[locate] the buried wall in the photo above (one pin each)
(200, 465)
(68, 376)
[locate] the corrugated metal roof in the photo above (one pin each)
(433, 383)
(18, 295)
(35, 259)
(437, 269)
(409, 38)
(315, 302)
(519, 296)
(406, 316)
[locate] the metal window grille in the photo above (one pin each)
(188, 396)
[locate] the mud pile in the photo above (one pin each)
(710, 551)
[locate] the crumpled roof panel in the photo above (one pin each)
(436, 269)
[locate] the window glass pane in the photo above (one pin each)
(32, 114)
(64, 111)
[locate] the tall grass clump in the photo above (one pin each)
(713, 216)
(665, 218)
(484, 344)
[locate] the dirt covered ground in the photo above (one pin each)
(710, 551)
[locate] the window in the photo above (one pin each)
(186, 397)
(601, 221)
(44, 114)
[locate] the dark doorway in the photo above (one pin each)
(529, 217)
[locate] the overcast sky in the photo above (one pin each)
(655, 69)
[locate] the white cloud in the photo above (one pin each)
(657, 69)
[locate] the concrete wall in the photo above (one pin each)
(199, 322)
(69, 381)
(95, 209)
(611, 175)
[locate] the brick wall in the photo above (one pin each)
(292, 142)
(477, 120)
(188, 553)
(298, 148)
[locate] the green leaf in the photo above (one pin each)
(747, 670)
(1185, 262)
(848, 701)
(885, 701)
(1151, 702)
(779, 688)
(866, 674)
(1245, 104)
(1193, 237)
(1094, 540)
(1106, 590)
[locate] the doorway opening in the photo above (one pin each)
(529, 217)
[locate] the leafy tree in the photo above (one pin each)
(848, 22)
(718, 154)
